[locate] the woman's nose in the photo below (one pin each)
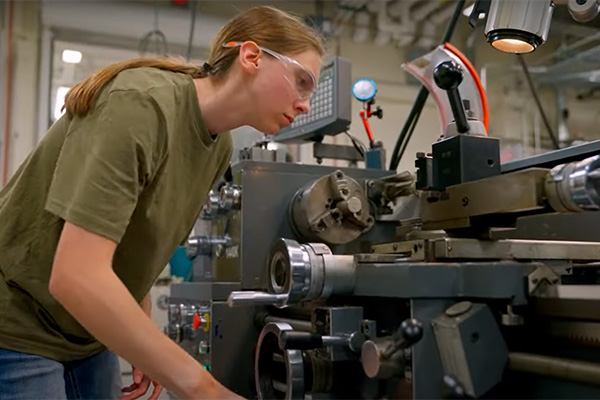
(303, 106)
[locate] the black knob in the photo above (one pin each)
(448, 75)
(411, 330)
(378, 112)
(299, 340)
(409, 333)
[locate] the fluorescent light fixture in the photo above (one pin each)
(71, 56)
(61, 92)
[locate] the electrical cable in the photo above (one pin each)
(360, 148)
(453, 21)
(410, 121)
(419, 103)
(538, 103)
(188, 53)
(408, 136)
(358, 145)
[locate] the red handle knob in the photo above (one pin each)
(196, 322)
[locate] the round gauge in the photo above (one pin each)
(364, 89)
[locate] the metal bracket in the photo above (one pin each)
(543, 282)
(336, 152)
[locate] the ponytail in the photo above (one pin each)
(264, 25)
(80, 98)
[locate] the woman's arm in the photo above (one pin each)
(146, 304)
(84, 282)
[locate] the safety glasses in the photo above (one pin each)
(299, 77)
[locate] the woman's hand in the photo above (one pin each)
(140, 386)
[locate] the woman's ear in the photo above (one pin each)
(249, 57)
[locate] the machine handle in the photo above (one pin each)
(294, 340)
(290, 340)
(247, 298)
(410, 332)
(448, 75)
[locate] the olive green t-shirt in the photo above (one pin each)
(135, 169)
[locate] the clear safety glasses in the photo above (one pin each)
(299, 77)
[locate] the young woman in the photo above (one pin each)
(92, 216)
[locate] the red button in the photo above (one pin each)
(196, 322)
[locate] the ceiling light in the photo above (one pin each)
(71, 56)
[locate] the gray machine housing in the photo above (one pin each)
(264, 216)
(387, 290)
(268, 189)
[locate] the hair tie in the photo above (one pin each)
(207, 67)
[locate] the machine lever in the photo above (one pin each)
(448, 75)
(248, 298)
(293, 340)
(383, 358)
(410, 332)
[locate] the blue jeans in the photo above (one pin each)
(26, 376)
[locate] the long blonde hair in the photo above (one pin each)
(264, 25)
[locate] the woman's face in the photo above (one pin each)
(282, 89)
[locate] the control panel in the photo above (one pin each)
(330, 106)
(190, 325)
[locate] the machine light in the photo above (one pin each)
(518, 26)
(513, 45)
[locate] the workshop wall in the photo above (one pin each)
(23, 60)
(513, 115)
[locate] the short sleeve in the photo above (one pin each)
(225, 149)
(107, 158)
